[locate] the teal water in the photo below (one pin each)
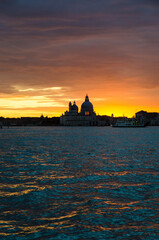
(79, 183)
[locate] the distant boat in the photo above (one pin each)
(128, 123)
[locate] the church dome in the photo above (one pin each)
(74, 107)
(87, 107)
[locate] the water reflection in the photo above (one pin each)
(66, 183)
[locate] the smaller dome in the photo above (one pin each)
(74, 107)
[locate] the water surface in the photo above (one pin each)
(79, 183)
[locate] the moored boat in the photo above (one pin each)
(128, 123)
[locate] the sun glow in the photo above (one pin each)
(29, 102)
(53, 101)
(39, 89)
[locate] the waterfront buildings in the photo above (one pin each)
(149, 118)
(86, 117)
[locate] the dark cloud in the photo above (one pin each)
(28, 23)
(73, 18)
(64, 43)
(151, 2)
(72, 9)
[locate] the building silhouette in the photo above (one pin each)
(86, 117)
(149, 118)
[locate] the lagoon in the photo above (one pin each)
(79, 183)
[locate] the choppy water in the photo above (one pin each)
(79, 183)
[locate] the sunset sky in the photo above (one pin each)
(53, 52)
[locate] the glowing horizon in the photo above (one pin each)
(52, 52)
(40, 105)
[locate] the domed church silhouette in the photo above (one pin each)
(86, 117)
